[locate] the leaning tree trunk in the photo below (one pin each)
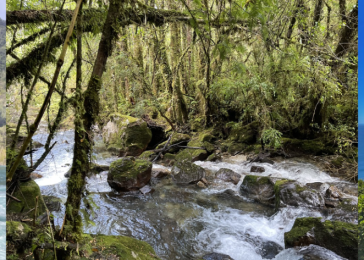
(83, 138)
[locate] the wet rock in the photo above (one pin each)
(228, 175)
(270, 249)
(236, 148)
(146, 189)
(260, 189)
(68, 173)
(36, 144)
(148, 155)
(257, 169)
(52, 203)
(340, 237)
(292, 193)
(333, 192)
(97, 168)
(35, 175)
(204, 181)
(192, 154)
(216, 256)
(160, 173)
(125, 135)
(201, 184)
(168, 159)
(185, 172)
(129, 174)
(262, 158)
(213, 157)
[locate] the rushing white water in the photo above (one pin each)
(187, 222)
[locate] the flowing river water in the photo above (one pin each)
(185, 222)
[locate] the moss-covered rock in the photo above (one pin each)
(147, 155)
(126, 135)
(213, 157)
(129, 174)
(292, 193)
(27, 192)
(339, 237)
(200, 140)
(260, 189)
(185, 172)
(228, 175)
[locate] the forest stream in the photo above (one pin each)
(186, 222)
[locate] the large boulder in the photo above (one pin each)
(228, 175)
(292, 193)
(185, 172)
(201, 140)
(260, 189)
(128, 174)
(337, 236)
(30, 198)
(126, 135)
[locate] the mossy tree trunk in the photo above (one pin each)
(83, 138)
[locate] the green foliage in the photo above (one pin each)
(272, 138)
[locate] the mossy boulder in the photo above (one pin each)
(168, 159)
(129, 174)
(213, 157)
(201, 140)
(337, 236)
(126, 135)
(186, 172)
(292, 193)
(148, 155)
(260, 189)
(228, 175)
(27, 192)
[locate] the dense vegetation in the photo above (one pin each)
(266, 72)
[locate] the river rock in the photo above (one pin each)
(216, 256)
(125, 135)
(257, 169)
(260, 189)
(292, 193)
(214, 157)
(177, 138)
(146, 189)
(52, 203)
(337, 236)
(160, 173)
(228, 175)
(201, 184)
(27, 192)
(128, 174)
(186, 172)
(270, 249)
(262, 158)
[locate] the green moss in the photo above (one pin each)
(169, 156)
(27, 193)
(191, 155)
(147, 155)
(243, 133)
(17, 230)
(128, 167)
(312, 147)
(277, 189)
(123, 247)
(176, 138)
(340, 237)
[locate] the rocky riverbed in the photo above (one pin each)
(190, 221)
